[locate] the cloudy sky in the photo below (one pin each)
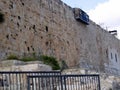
(104, 12)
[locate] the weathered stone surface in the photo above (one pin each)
(7, 63)
(15, 65)
(49, 27)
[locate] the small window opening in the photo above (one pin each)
(2, 18)
(11, 35)
(41, 37)
(7, 36)
(8, 48)
(46, 43)
(76, 49)
(34, 27)
(81, 41)
(46, 28)
(16, 34)
(11, 19)
(24, 26)
(111, 56)
(107, 53)
(68, 42)
(19, 17)
(28, 48)
(18, 24)
(20, 30)
(116, 57)
(25, 42)
(33, 49)
(11, 6)
(23, 4)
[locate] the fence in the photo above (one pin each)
(63, 82)
(18, 80)
(52, 80)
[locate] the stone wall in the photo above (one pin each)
(49, 27)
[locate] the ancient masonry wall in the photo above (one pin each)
(49, 27)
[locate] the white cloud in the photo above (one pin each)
(107, 13)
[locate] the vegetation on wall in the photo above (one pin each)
(49, 60)
(24, 58)
(27, 59)
(12, 56)
(1, 18)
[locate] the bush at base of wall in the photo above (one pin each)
(49, 60)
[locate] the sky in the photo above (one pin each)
(106, 13)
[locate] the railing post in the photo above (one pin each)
(61, 77)
(99, 82)
(65, 83)
(28, 83)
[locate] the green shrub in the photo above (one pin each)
(49, 60)
(12, 56)
(27, 59)
(24, 58)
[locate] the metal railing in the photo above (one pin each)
(18, 80)
(63, 82)
(50, 80)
